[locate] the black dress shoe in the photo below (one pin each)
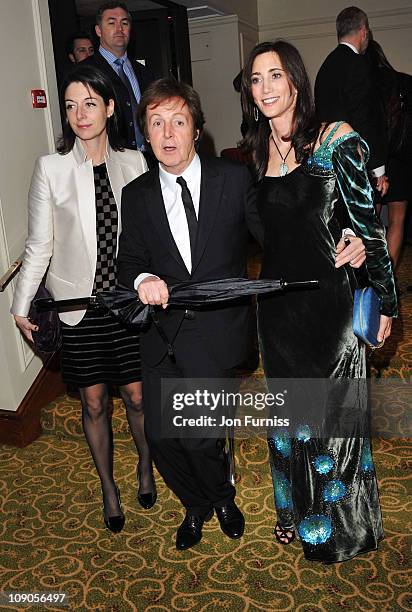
(190, 531)
(231, 520)
(114, 523)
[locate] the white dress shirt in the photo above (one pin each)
(175, 210)
(348, 44)
(376, 172)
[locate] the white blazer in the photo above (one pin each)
(62, 225)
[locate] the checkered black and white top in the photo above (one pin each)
(101, 349)
(106, 230)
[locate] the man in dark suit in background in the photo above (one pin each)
(187, 219)
(344, 90)
(79, 47)
(129, 77)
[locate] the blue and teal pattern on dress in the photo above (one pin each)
(321, 160)
(323, 464)
(282, 491)
(280, 443)
(334, 491)
(366, 461)
(315, 529)
(303, 433)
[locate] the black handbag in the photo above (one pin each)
(48, 338)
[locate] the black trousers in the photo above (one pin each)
(192, 467)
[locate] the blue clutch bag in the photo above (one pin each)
(366, 316)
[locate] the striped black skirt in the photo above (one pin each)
(100, 349)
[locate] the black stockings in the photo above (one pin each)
(99, 435)
(132, 397)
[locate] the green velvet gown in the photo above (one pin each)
(327, 486)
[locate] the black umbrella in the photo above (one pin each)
(125, 304)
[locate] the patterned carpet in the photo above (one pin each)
(52, 536)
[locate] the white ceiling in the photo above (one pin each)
(196, 8)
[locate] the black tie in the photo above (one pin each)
(133, 102)
(190, 214)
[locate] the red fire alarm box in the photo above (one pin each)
(38, 97)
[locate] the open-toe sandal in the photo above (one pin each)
(284, 535)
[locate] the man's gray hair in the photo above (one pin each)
(350, 20)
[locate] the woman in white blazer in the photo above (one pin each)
(74, 225)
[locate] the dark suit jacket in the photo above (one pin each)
(227, 210)
(144, 78)
(344, 90)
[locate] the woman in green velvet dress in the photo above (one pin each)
(324, 485)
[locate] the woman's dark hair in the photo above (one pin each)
(93, 78)
(388, 83)
(305, 128)
(163, 89)
(375, 54)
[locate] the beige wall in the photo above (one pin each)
(246, 10)
(25, 134)
(216, 45)
(312, 28)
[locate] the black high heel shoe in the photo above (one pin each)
(147, 500)
(115, 523)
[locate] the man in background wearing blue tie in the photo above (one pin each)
(129, 77)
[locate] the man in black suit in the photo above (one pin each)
(178, 230)
(344, 90)
(129, 77)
